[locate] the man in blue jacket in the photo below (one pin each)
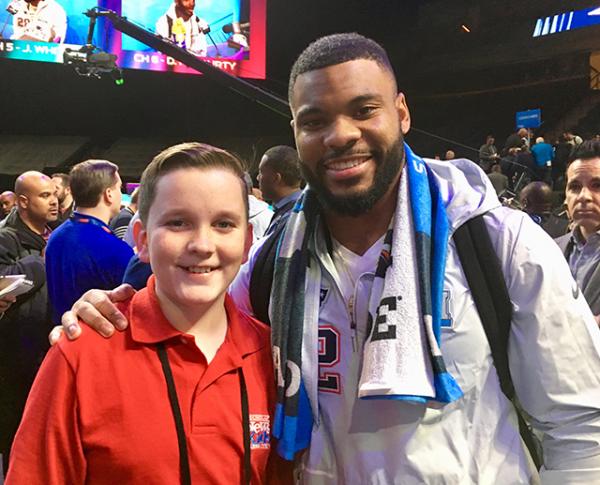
(83, 253)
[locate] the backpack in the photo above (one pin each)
(482, 269)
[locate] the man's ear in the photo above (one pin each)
(140, 236)
(248, 242)
(23, 201)
(108, 195)
(403, 113)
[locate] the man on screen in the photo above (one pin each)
(182, 26)
(39, 20)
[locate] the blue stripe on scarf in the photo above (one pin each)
(293, 432)
(431, 237)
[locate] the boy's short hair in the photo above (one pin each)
(337, 49)
(186, 155)
(89, 179)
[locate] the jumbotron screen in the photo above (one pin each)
(230, 34)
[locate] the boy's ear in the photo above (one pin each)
(248, 242)
(140, 235)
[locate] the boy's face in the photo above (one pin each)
(196, 236)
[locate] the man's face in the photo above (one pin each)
(116, 196)
(349, 124)
(40, 202)
(491, 140)
(61, 191)
(583, 193)
(186, 6)
(267, 179)
(7, 202)
(196, 237)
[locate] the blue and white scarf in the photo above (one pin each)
(293, 414)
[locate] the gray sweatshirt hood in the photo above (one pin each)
(465, 189)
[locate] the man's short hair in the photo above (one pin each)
(135, 195)
(90, 179)
(66, 180)
(586, 150)
(337, 49)
(284, 160)
(186, 155)
(539, 139)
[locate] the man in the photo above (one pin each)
(120, 223)
(498, 179)
(39, 20)
(83, 252)
(280, 181)
(488, 154)
(573, 139)
(450, 155)
(349, 123)
(62, 181)
(543, 154)
(24, 325)
(182, 26)
(536, 200)
(8, 200)
(581, 246)
(516, 140)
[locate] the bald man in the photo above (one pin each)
(8, 200)
(26, 323)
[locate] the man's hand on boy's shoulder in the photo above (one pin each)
(97, 309)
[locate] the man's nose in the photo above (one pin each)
(342, 133)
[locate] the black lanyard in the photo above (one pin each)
(184, 463)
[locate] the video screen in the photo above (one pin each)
(575, 19)
(41, 30)
(230, 34)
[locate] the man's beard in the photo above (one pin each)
(388, 165)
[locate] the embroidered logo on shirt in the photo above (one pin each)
(323, 295)
(260, 431)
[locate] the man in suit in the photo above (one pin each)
(280, 181)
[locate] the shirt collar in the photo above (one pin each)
(288, 198)
(580, 241)
(150, 326)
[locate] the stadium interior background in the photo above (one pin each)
(459, 85)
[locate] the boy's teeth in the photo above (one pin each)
(192, 269)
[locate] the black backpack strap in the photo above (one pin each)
(170, 26)
(261, 278)
(484, 275)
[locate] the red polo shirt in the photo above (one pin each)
(99, 410)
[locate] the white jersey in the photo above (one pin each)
(188, 34)
(554, 354)
(46, 23)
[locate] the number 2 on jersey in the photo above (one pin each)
(329, 356)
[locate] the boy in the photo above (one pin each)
(185, 393)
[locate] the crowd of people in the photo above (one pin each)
(421, 331)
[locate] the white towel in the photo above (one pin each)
(396, 360)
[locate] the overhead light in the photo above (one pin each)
(465, 28)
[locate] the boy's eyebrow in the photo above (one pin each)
(182, 211)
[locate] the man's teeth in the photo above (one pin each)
(196, 269)
(344, 165)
